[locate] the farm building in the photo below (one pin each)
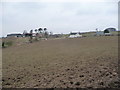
(111, 29)
(15, 35)
(99, 33)
(107, 32)
(75, 34)
(55, 35)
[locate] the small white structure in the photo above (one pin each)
(108, 34)
(99, 33)
(102, 33)
(75, 34)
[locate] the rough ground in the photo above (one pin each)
(79, 62)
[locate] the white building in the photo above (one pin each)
(75, 34)
(99, 33)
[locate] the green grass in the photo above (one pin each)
(88, 34)
(7, 44)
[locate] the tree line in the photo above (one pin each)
(39, 33)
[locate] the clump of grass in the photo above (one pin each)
(7, 44)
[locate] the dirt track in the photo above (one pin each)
(79, 62)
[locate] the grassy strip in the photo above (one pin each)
(7, 44)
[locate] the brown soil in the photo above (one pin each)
(89, 62)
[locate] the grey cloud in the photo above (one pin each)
(58, 17)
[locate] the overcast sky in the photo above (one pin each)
(58, 17)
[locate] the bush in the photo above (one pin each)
(7, 44)
(3, 44)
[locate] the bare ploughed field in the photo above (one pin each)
(75, 63)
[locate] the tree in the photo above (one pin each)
(51, 33)
(24, 33)
(97, 29)
(31, 32)
(45, 29)
(36, 35)
(40, 30)
(36, 30)
(3, 44)
(45, 33)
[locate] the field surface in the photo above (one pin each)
(79, 62)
